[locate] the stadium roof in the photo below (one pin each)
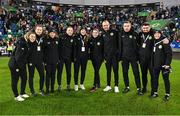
(112, 2)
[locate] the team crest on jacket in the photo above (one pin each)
(17, 70)
(130, 36)
(56, 42)
(150, 37)
(111, 34)
(71, 40)
(98, 43)
(160, 46)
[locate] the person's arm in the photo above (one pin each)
(119, 45)
(168, 54)
(74, 48)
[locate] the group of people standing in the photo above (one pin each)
(50, 52)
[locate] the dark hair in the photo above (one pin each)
(145, 24)
(38, 25)
(127, 22)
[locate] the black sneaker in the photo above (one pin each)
(166, 98)
(154, 95)
(41, 92)
(68, 88)
(144, 90)
(59, 88)
(126, 90)
(139, 92)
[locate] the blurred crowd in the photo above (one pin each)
(15, 22)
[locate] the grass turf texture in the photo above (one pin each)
(84, 102)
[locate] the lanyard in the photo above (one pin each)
(146, 38)
(158, 42)
(154, 50)
(38, 42)
(82, 42)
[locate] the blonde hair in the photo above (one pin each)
(26, 36)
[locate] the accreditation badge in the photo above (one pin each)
(154, 49)
(83, 49)
(144, 45)
(38, 48)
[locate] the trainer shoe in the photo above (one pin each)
(154, 95)
(116, 89)
(82, 87)
(93, 89)
(24, 96)
(108, 88)
(166, 97)
(139, 92)
(41, 92)
(19, 98)
(75, 87)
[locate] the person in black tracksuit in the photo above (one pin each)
(51, 58)
(81, 58)
(129, 49)
(145, 51)
(17, 66)
(35, 60)
(161, 60)
(66, 56)
(110, 39)
(96, 56)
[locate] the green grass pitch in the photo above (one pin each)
(84, 102)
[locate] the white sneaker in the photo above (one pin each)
(82, 87)
(24, 96)
(19, 99)
(116, 89)
(76, 87)
(108, 88)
